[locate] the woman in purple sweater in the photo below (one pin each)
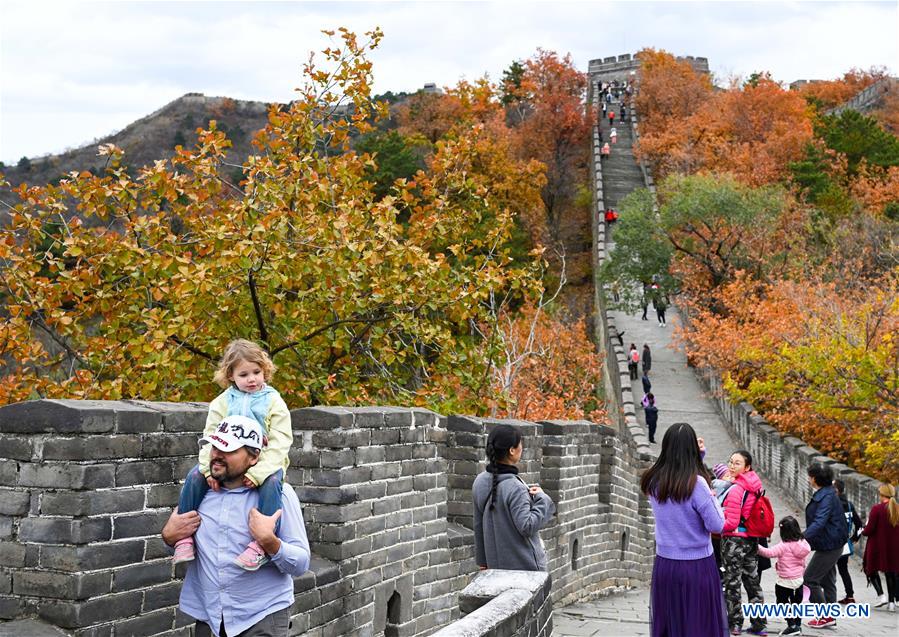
(685, 597)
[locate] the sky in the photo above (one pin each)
(74, 71)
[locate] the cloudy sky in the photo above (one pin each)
(74, 71)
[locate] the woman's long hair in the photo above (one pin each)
(889, 491)
(500, 440)
(674, 474)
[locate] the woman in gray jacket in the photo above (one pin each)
(508, 514)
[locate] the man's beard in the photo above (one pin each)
(222, 472)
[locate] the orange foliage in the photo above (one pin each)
(670, 91)
(547, 368)
(555, 129)
(888, 112)
(831, 93)
(876, 187)
(753, 131)
(818, 360)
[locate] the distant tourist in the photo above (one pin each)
(611, 117)
(882, 548)
(825, 530)
(646, 359)
(605, 150)
(790, 554)
(651, 413)
(613, 135)
(611, 217)
(685, 595)
(508, 514)
(223, 597)
(660, 305)
(245, 371)
(854, 526)
(633, 361)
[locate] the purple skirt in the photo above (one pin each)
(686, 599)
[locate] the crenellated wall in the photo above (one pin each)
(85, 488)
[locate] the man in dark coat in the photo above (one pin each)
(826, 532)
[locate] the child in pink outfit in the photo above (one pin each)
(790, 554)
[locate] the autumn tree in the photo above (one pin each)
(828, 94)
(555, 130)
(708, 228)
(817, 358)
(304, 257)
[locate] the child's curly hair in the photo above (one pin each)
(242, 350)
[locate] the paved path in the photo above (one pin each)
(680, 398)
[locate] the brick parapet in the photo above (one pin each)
(85, 488)
(781, 459)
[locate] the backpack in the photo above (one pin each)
(635, 355)
(760, 522)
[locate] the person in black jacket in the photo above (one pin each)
(854, 524)
(651, 413)
(826, 533)
(646, 359)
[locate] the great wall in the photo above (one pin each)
(85, 487)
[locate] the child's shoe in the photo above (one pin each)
(184, 550)
(252, 558)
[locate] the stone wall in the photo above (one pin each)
(784, 460)
(504, 604)
(624, 67)
(85, 488)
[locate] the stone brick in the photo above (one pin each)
(178, 416)
(162, 596)
(67, 476)
(170, 444)
(72, 416)
(321, 418)
(14, 502)
(139, 525)
(143, 472)
(9, 473)
(65, 531)
(141, 575)
(147, 624)
(94, 503)
(337, 458)
(12, 554)
(163, 495)
(92, 556)
(16, 448)
(68, 586)
(91, 448)
(95, 611)
(342, 438)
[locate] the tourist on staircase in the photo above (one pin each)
(739, 552)
(685, 593)
(633, 361)
(646, 359)
(508, 514)
(882, 548)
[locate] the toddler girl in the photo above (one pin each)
(244, 371)
(790, 554)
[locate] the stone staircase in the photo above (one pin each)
(620, 172)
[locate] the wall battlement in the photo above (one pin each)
(624, 67)
(86, 486)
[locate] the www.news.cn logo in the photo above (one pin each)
(807, 611)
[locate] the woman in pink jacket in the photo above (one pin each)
(790, 554)
(739, 552)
